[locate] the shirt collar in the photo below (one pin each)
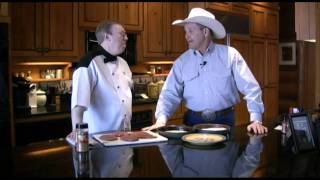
(108, 57)
(209, 49)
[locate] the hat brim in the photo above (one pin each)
(217, 28)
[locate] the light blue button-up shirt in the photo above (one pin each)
(210, 81)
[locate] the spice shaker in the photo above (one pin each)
(82, 137)
(82, 166)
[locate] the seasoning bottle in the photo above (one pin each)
(153, 69)
(82, 137)
(82, 168)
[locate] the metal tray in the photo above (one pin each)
(174, 131)
(212, 129)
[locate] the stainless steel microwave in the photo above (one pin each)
(129, 54)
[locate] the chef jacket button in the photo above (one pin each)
(122, 100)
(118, 87)
(125, 115)
(113, 74)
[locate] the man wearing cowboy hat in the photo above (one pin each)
(207, 77)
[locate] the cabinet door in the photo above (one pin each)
(176, 42)
(241, 8)
(130, 14)
(272, 22)
(271, 104)
(26, 29)
(154, 33)
(219, 6)
(258, 59)
(92, 13)
(272, 64)
(242, 44)
(60, 30)
(258, 21)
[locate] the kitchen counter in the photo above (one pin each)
(241, 156)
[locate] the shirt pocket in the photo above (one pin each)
(222, 82)
(190, 81)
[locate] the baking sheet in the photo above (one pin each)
(120, 142)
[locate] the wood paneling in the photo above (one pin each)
(259, 60)
(272, 63)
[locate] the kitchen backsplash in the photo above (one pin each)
(61, 87)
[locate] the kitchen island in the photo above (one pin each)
(240, 156)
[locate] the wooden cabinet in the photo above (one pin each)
(92, 13)
(44, 29)
(264, 22)
(129, 14)
(271, 104)
(243, 45)
(177, 118)
(258, 66)
(160, 38)
(230, 7)
(272, 63)
(219, 6)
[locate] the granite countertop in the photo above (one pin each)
(169, 159)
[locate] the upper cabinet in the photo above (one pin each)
(91, 13)
(130, 14)
(264, 22)
(127, 13)
(160, 38)
(44, 29)
(231, 7)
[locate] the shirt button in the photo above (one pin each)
(122, 100)
(113, 74)
(125, 115)
(118, 87)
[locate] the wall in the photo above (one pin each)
(317, 65)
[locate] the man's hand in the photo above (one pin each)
(257, 128)
(72, 135)
(154, 126)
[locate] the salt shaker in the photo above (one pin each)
(82, 137)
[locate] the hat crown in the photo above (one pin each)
(200, 12)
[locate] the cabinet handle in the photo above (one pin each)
(46, 49)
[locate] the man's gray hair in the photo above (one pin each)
(104, 28)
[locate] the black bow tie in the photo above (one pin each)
(110, 59)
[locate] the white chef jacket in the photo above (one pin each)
(210, 81)
(105, 90)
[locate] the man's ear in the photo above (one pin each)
(206, 32)
(106, 36)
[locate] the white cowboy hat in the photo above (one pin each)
(205, 18)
